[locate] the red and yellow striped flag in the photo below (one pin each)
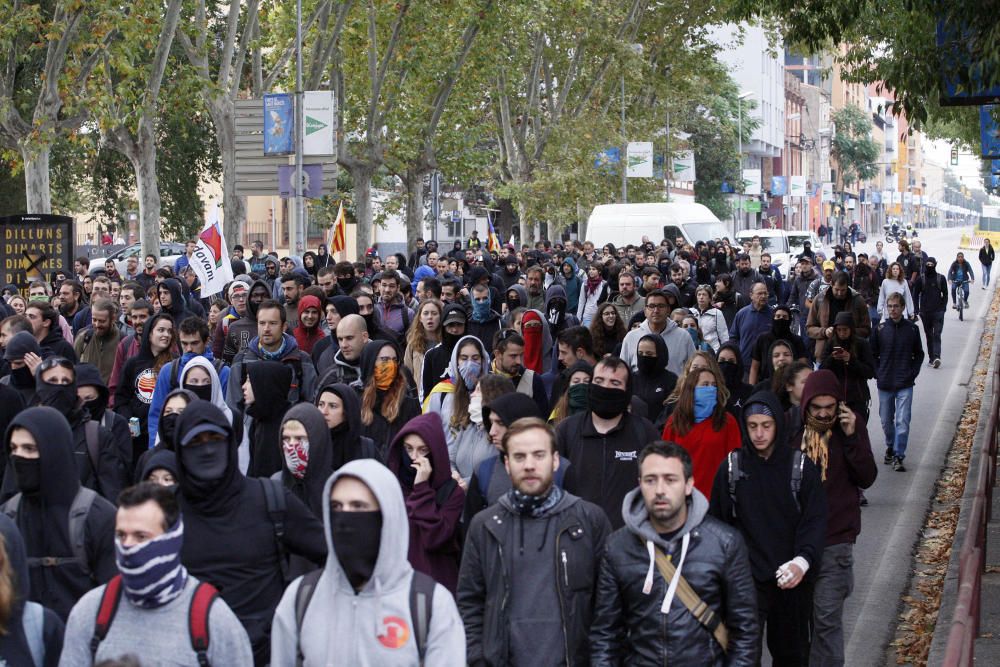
(338, 233)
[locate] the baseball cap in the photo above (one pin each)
(454, 316)
(828, 265)
(204, 427)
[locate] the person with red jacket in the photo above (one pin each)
(308, 331)
(418, 456)
(834, 437)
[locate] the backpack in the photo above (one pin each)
(421, 607)
(78, 512)
(734, 472)
(274, 496)
(175, 371)
(33, 623)
(201, 604)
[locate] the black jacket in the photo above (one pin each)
(854, 375)
(270, 381)
(605, 467)
(776, 524)
(229, 538)
(965, 266)
(569, 564)
(43, 518)
(653, 388)
(930, 294)
(137, 381)
(898, 354)
(987, 255)
(381, 431)
(628, 626)
(346, 442)
(55, 345)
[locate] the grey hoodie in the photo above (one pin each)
(341, 627)
(678, 342)
(637, 519)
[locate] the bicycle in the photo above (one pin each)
(958, 293)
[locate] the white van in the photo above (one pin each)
(624, 224)
(773, 241)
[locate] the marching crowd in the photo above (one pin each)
(557, 454)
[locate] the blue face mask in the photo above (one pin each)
(704, 402)
(480, 310)
(694, 337)
(469, 372)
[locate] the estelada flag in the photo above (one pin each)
(210, 259)
(338, 233)
(493, 242)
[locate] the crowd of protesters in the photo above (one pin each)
(557, 454)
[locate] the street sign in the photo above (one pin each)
(751, 182)
(36, 247)
(797, 186)
(320, 122)
(312, 181)
(989, 134)
(683, 166)
(779, 187)
(827, 192)
(752, 206)
(639, 158)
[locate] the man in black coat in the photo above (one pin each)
(636, 619)
(231, 539)
(773, 495)
(930, 300)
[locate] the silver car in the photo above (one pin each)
(169, 253)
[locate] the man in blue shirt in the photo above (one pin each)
(751, 321)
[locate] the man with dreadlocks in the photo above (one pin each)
(830, 436)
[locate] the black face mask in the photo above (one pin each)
(731, 373)
(407, 473)
(607, 403)
(781, 328)
(646, 365)
(22, 377)
(206, 461)
(96, 407)
(930, 269)
(346, 284)
(28, 473)
(168, 424)
(449, 339)
(204, 392)
(62, 397)
(356, 539)
(512, 304)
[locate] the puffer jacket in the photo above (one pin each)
(629, 628)
(484, 585)
(898, 354)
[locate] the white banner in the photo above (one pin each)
(683, 167)
(886, 197)
(827, 192)
(907, 197)
(210, 259)
(917, 200)
(751, 182)
(318, 122)
(640, 159)
(797, 186)
(897, 197)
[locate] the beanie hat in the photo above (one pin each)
(19, 345)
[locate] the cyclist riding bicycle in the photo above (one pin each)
(960, 274)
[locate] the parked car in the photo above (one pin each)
(773, 241)
(169, 252)
(796, 238)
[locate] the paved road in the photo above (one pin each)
(898, 502)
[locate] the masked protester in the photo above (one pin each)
(521, 534)
(156, 593)
(265, 393)
(40, 443)
(653, 383)
(731, 365)
(418, 456)
(930, 298)
(538, 341)
(341, 409)
(850, 358)
(604, 442)
(94, 397)
(386, 400)
(21, 379)
(366, 579)
(231, 541)
(557, 312)
(438, 358)
(576, 391)
(834, 438)
(484, 323)
(781, 329)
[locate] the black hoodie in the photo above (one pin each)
(271, 381)
(739, 391)
(137, 382)
(178, 304)
(87, 375)
(229, 539)
(55, 345)
(244, 329)
(381, 431)
(438, 358)
(319, 466)
(166, 441)
(346, 440)
(654, 385)
(43, 517)
(775, 530)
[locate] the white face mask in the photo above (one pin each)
(476, 409)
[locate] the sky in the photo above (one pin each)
(968, 164)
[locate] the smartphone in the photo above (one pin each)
(837, 348)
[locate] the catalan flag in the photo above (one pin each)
(338, 233)
(493, 242)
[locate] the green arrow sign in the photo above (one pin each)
(751, 206)
(314, 125)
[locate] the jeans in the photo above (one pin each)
(933, 324)
(785, 621)
(894, 411)
(986, 274)
(965, 291)
(832, 588)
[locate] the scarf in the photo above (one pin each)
(534, 506)
(593, 284)
(152, 574)
(273, 356)
(816, 441)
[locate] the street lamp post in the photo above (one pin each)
(788, 165)
(739, 133)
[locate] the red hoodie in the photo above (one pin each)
(306, 338)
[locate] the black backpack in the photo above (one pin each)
(421, 607)
(734, 472)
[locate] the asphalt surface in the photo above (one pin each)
(898, 501)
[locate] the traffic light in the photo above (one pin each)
(954, 156)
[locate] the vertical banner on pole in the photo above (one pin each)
(640, 159)
(279, 124)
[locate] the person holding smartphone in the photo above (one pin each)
(852, 362)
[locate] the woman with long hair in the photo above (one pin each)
(607, 330)
(701, 424)
(574, 397)
(424, 333)
(593, 292)
(18, 304)
(386, 401)
(895, 283)
(711, 321)
(726, 299)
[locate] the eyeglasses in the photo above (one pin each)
(656, 306)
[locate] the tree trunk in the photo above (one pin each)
(36, 177)
(414, 181)
(362, 177)
(223, 111)
(525, 228)
(144, 164)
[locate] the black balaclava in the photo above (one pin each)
(782, 328)
(204, 392)
(197, 470)
(167, 426)
(62, 397)
(357, 537)
(606, 402)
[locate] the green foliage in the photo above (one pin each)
(852, 146)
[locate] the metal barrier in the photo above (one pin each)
(960, 649)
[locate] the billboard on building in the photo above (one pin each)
(36, 247)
